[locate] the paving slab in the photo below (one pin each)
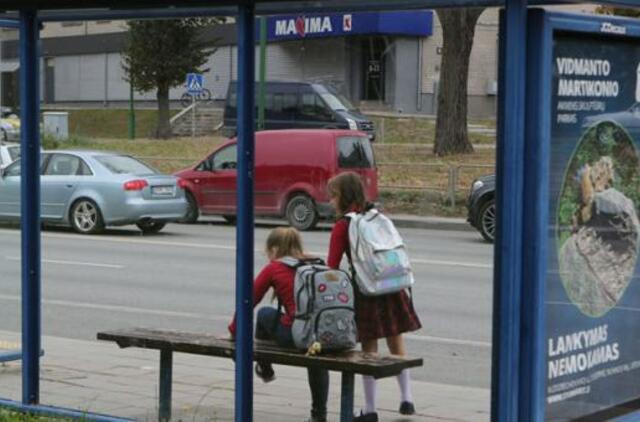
(98, 377)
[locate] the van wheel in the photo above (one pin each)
(301, 212)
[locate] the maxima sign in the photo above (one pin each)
(291, 27)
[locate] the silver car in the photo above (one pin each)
(89, 190)
(8, 153)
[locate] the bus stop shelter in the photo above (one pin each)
(517, 369)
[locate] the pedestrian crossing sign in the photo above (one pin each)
(195, 83)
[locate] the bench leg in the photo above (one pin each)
(346, 397)
(166, 370)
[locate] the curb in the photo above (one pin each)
(455, 224)
(402, 221)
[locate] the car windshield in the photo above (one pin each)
(337, 101)
(123, 164)
(14, 153)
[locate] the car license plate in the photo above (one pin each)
(162, 190)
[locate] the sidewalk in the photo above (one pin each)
(98, 377)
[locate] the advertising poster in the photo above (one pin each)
(593, 286)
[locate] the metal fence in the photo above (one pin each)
(453, 188)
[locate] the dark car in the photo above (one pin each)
(482, 206)
(300, 105)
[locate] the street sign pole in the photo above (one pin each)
(263, 71)
(193, 116)
(195, 86)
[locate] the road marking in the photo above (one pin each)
(450, 263)
(446, 340)
(118, 308)
(107, 238)
(78, 263)
(222, 318)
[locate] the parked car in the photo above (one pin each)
(292, 168)
(629, 118)
(481, 206)
(9, 152)
(300, 105)
(89, 190)
(9, 125)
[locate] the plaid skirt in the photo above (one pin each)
(384, 316)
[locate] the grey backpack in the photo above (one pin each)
(324, 306)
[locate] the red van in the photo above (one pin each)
(292, 171)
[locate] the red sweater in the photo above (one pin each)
(281, 278)
(339, 243)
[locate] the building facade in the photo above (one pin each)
(380, 60)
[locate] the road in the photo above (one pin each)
(183, 278)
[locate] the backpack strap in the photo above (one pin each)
(295, 263)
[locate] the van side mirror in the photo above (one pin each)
(2, 172)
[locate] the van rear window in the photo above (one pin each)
(355, 152)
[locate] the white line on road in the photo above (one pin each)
(78, 263)
(450, 263)
(223, 318)
(106, 238)
(118, 308)
(446, 340)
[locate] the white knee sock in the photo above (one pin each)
(369, 384)
(404, 382)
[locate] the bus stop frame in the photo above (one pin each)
(517, 393)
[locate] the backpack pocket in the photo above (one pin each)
(335, 328)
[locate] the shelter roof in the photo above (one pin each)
(268, 6)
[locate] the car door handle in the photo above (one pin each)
(69, 186)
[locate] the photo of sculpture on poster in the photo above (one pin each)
(592, 298)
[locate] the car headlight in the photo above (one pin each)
(477, 185)
(352, 124)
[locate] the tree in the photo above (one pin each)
(458, 30)
(159, 53)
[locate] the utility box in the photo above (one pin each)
(56, 124)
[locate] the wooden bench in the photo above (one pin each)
(169, 341)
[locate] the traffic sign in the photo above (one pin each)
(195, 83)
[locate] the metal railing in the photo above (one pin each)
(419, 177)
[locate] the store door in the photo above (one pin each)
(373, 67)
(49, 81)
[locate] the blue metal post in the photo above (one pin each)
(508, 246)
(244, 231)
(30, 205)
(536, 214)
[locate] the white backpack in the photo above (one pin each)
(378, 254)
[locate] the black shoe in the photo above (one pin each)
(369, 417)
(407, 408)
(317, 419)
(265, 372)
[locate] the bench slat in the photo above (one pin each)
(209, 345)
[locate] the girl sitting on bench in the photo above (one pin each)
(272, 325)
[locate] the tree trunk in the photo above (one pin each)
(458, 29)
(163, 127)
